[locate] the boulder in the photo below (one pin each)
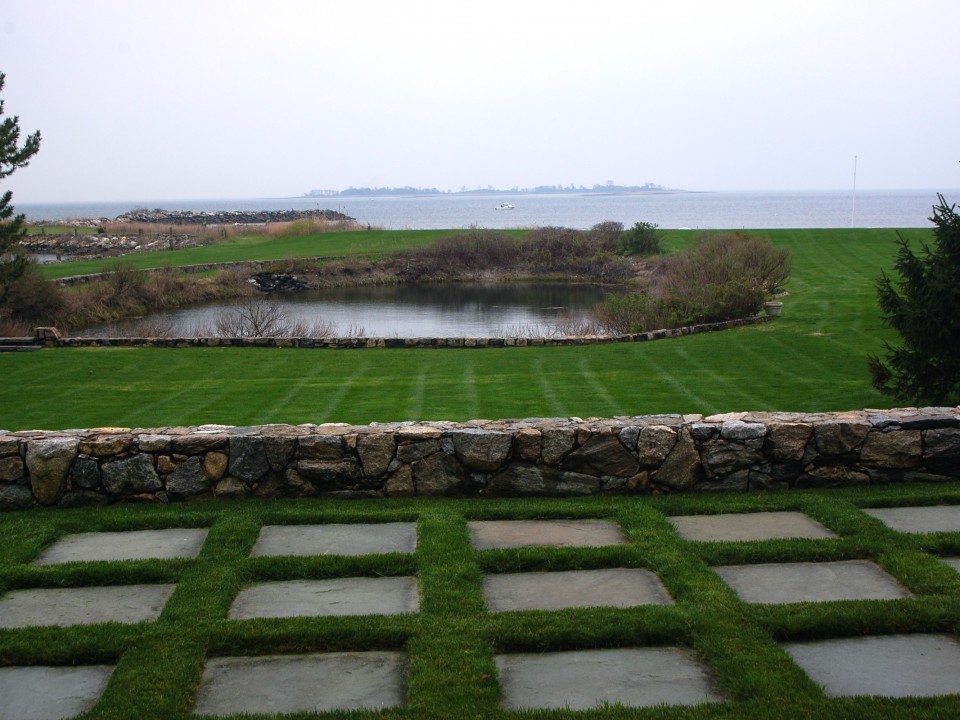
(131, 476)
(837, 437)
(681, 469)
(376, 452)
(527, 444)
(248, 459)
(187, 480)
(15, 497)
(86, 474)
(903, 449)
(438, 474)
(601, 455)
(480, 449)
(12, 469)
(48, 462)
(786, 441)
(941, 451)
(536, 480)
(557, 442)
(214, 465)
(655, 443)
(322, 447)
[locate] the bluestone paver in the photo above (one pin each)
(490, 534)
(581, 680)
(889, 665)
(50, 693)
(130, 545)
(313, 598)
(345, 539)
(936, 518)
(742, 527)
(277, 684)
(953, 562)
(613, 587)
(83, 605)
(772, 583)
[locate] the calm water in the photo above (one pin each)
(668, 210)
(448, 310)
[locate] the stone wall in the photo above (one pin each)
(536, 457)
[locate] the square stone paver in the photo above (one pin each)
(313, 598)
(774, 583)
(84, 605)
(352, 539)
(277, 684)
(130, 545)
(749, 526)
(888, 665)
(48, 693)
(581, 680)
(489, 534)
(953, 562)
(614, 587)
(937, 518)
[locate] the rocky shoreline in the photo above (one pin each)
(228, 217)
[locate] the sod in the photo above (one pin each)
(453, 644)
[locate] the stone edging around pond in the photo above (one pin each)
(534, 457)
(49, 337)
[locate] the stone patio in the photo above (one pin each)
(354, 539)
(581, 680)
(614, 587)
(744, 527)
(889, 665)
(302, 683)
(83, 605)
(42, 692)
(775, 583)
(491, 534)
(315, 598)
(936, 518)
(128, 545)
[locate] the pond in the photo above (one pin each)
(430, 310)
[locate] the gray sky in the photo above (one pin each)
(152, 100)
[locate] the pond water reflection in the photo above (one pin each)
(431, 310)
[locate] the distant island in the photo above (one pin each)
(607, 188)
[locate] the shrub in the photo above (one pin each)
(642, 239)
(32, 299)
(606, 235)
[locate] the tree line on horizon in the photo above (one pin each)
(607, 187)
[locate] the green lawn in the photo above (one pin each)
(812, 358)
(451, 642)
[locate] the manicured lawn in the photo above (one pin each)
(451, 642)
(813, 358)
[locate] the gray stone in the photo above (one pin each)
(15, 497)
(126, 545)
(86, 473)
(738, 481)
(198, 444)
(775, 583)
(832, 476)
(413, 451)
(556, 443)
(703, 431)
(439, 474)
(230, 489)
(681, 469)
(248, 459)
(836, 437)
(338, 597)
(279, 450)
(352, 539)
(331, 473)
(654, 444)
(48, 462)
(322, 447)
(586, 679)
(187, 480)
(936, 518)
(83, 606)
(400, 482)
(480, 449)
(154, 443)
(739, 527)
(12, 469)
(38, 692)
(376, 452)
(283, 684)
(488, 534)
(903, 449)
(738, 430)
(601, 455)
(131, 476)
(941, 451)
(537, 480)
(720, 457)
(921, 665)
(629, 436)
(528, 442)
(613, 587)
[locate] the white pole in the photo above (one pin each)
(853, 209)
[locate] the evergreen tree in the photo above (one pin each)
(924, 307)
(12, 156)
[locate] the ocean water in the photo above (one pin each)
(697, 210)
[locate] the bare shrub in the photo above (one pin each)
(32, 299)
(606, 235)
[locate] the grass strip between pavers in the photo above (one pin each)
(452, 640)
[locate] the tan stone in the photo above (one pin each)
(899, 449)
(376, 452)
(106, 446)
(230, 488)
(11, 468)
(400, 483)
(655, 443)
(787, 441)
(215, 465)
(49, 462)
(418, 432)
(681, 469)
(557, 442)
(322, 447)
(836, 437)
(528, 443)
(165, 465)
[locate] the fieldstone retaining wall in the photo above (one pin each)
(534, 457)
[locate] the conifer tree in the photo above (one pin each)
(924, 307)
(12, 157)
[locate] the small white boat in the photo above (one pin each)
(504, 206)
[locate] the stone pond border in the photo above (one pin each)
(544, 457)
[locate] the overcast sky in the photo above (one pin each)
(152, 100)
